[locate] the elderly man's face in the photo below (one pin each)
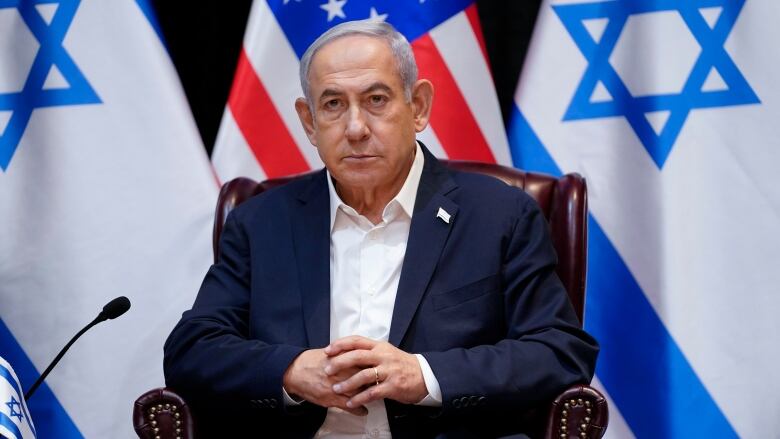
(363, 126)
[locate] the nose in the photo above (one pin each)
(357, 128)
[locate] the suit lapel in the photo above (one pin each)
(311, 236)
(427, 236)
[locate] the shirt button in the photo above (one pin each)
(372, 291)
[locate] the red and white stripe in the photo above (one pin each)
(261, 136)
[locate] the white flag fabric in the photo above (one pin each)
(15, 421)
(670, 110)
(261, 136)
(106, 190)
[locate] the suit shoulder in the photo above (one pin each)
(488, 191)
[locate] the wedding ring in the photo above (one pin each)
(376, 375)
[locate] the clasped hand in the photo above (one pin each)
(345, 373)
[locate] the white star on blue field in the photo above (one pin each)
(51, 53)
(710, 36)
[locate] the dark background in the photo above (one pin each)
(204, 40)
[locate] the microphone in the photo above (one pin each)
(112, 310)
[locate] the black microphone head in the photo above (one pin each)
(116, 307)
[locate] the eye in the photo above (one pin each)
(377, 100)
(333, 104)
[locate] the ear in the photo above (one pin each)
(422, 100)
(307, 119)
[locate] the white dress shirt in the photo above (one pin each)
(365, 267)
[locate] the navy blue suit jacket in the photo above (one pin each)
(478, 297)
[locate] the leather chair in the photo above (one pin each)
(580, 412)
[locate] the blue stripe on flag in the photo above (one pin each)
(6, 374)
(51, 419)
(527, 150)
(8, 423)
(645, 372)
(148, 10)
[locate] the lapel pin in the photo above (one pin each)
(444, 215)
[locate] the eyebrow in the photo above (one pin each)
(330, 92)
(377, 86)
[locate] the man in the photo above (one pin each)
(385, 294)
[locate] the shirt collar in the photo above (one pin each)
(405, 197)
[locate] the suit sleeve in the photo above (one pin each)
(544, 350)
(208, 355)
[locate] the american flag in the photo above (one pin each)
(261, 136)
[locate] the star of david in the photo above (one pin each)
(50, 32)
(710, 36)
(13, 404)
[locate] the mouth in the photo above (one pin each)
(360, 157)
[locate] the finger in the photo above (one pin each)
(359, 411)
(363, 378)
(343, 374)
(373, 393)
(359, 358)
(341, 402)
(349, 343)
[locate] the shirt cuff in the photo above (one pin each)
(433, 399)
(288, 400)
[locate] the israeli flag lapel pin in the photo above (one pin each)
(444, 215)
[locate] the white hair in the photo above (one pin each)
(402, 51)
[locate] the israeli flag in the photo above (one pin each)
(105, 191)
(670, 110)
(15, 422)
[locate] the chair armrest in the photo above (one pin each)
(162, 414)
(580, 412)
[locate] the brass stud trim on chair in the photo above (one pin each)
(564, 417)
(565, 412)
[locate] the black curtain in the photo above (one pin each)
(204, 40)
